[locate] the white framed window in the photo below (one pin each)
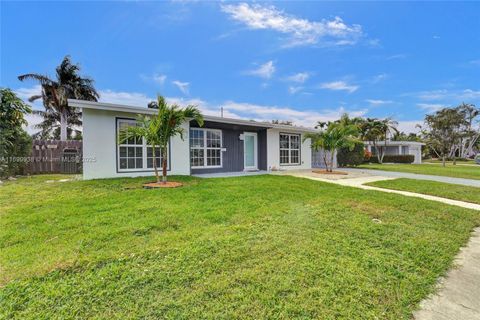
(135, 154)
(205, 148)
(289, 149)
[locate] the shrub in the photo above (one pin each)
(403, 158)
(345, 157)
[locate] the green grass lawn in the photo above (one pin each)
(445, 190)
(463, 161)
(468, 172)
(248, 247)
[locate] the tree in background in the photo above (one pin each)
(55, 94)
(470, 134)
(442, 131)
(377, 131)
(14, 141)
(333, 138)
(159, 129)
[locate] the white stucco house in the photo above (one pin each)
(400, 148)
(221, 145)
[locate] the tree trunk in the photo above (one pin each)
(164, 164)
(454, 159)
(325, 159)
(443, 160)
(63, 126)
(332, 155)
(155, 163)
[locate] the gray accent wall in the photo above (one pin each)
(233, 156)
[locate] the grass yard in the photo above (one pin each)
(467, 172)
(248, 247)
(445, 190)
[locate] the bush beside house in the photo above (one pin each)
(404, 158)
(355, 157)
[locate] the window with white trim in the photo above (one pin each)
(289, 149)
(135, 154)
(205, 148)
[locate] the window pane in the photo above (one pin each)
(295, 156)
(123, 152)
(284, 156)
(139, 163)
(131, 163)
(284, 141)
(213, 139)
(295, 142)
(138, 151)
(196, 138)
(149, 162)
(130, 152)
(123, 163)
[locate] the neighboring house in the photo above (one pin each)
(399, 148)
(221, 145)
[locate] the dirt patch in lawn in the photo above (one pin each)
(168, 184)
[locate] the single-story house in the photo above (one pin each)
(221, 145)
(399, 148)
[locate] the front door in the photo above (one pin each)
(250, 159)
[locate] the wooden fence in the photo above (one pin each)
(54, 156)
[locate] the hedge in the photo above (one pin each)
(404, 158)
(355, 157)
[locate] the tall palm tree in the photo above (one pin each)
(55, 94)
(336, 136)
(157, 130)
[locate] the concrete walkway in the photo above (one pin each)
(458, 296)
(395, 174)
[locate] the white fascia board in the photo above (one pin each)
(139, 110)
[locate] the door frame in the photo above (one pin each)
(255, 149)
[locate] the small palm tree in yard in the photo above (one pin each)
(158, 129)
(336, 136)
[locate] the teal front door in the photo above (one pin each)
(250, 151)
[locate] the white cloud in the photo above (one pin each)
(378, 102)
(300, 77)
(127, 98)
(182, 86)
(265, 70)
(397, 56)
(475, 62)
(26, 93)
(436, 37)
(299, 117)
(293, 89)
(299, 31)
(338, 86)
(430, 107)
(32, 121)
(159, 78)
(409, 126)
(379, 77)
(455, 96)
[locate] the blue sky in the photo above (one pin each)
(300, 61)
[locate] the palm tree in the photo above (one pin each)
(157, 130)
(336, 136)
(375, 130)
(55, 94)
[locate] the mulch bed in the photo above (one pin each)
(169, 184)
(333, 172)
